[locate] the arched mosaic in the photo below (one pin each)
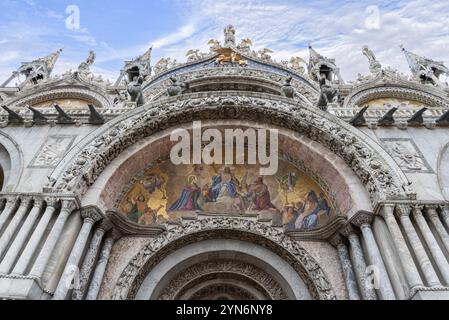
(168, 193)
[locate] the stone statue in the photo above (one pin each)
(135, 91)
(297, 64)
(265, 54)
(214, 45)
(287, 89)
(84, 68)
(162, 65)
(194, 55)
(426, 70)
(229, 32)
(328, 93)
(374, 66)
(245, 45)
(177, 88)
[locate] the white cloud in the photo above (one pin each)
(337, 29)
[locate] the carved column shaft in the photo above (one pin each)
(72, 264)
(21, 237)
(434, 218)
(432, 244)
(419, 250)
(348, 271)
(100, 269)
(445, 214)
(408, 265)
(35, 239)
(358, 261)
(363, 220)
(14, 224)
(44, 256)
(11, 203)
(89, 264)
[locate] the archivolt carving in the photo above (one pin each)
(275, 240)
(376, 169)
(307, 92)
(186, 277)
(70, 85)
(364, 94)
(63, 93)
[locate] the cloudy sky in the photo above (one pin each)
(121, 30)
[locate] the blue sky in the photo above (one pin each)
(122, 30)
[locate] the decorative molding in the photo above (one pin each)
(226, 228)
(128, 228)
(209, 268)
(407, 155)
(52, 151)
(362, 218)
(377, 171)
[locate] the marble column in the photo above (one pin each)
(90, 217)
(21, 237)
(348, 271)
(432, 214)
(90, 260)
(359, 263)
(403, 213)
(10, 207)
(432, 244)
(408, 265)
(41, 262)
(363, 220)
(103, 259)
(11, 230)
(445, 214)
(31, 247)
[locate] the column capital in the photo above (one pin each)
(445, 211)
(386, 210)
(106, 225)
(336, 240)
(52, 201)
(67, 205)
(38, 202)
(431, 211)
(417, 210)
(25, 200)
(363, 219)
(403, 210)
(92, 213)
(432, 206)
(348, 231)
(10, 199)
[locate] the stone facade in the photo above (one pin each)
(377, 147)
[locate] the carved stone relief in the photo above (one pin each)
(52, 151)
(178, 237)
(407, 155)
(174, 290)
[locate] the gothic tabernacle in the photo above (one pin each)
(361, 179)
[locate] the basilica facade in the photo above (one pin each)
(92, 206)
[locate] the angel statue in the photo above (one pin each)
(245, 45)
(214, 45)
(84, 67)
(162, 65)
(265, 54)
(297, 64)
(194, 55)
